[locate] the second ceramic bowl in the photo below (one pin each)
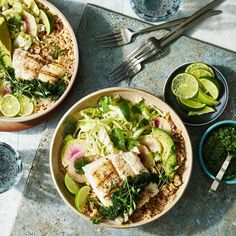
(170, 98)
(68, 124)
(200, 150)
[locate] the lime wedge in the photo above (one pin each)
(184, 85)
(210, 87)
(71, 184)
(48, 20)
(26, 105)
(9, 105)
(205, 110)
(208, 100)
(200, 73)
(190, 104)
(199, 65)
(81, 197)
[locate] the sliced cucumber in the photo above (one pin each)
(48, 20)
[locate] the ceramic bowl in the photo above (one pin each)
(200, 152)
(44, 113)
(170, 98)
(68, 123)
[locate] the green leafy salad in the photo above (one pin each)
(121, 156)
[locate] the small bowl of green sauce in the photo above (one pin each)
(216, 142)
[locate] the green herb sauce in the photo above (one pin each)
(218, 143)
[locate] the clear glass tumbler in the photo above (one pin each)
(10, 167)
(154, 10)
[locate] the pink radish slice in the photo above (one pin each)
(72, 150)
(156, 123)
(77, 156)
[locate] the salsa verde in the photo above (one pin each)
(218, 143)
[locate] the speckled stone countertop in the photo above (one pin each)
(44, 213)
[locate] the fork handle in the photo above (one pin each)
(181, 29)
(165, 25)
(220, 174)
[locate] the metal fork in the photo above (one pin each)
(132, 64)
(123, 36)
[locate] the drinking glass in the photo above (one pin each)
(154, 10)
(10, 167)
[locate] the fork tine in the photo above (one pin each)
(132, 65)
(129, 57)
(123, 66)
(107, 35)
(111, 40)
(129, 66)
(129, 74)
(113, 37)
(111, 44)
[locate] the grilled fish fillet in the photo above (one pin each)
(134, 167)
(26, 65)
(121, 166)
(107, 173)
(51, 72)
(103, 178)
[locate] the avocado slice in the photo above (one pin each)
(5, 42)
(169, 159)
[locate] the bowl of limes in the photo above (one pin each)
(198, 92)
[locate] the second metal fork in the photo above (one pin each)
(124, 36)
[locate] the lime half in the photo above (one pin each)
(208, 100)
(26, 105)
(199, 65)
(210, 87)
(81, 197)
(9, 105)
(71, 184)
(191, 104)
(184, 85)
(205, 110)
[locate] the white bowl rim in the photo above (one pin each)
(143, 222)
(73, 77)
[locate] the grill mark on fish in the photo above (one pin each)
(49, 73)
(36, 58)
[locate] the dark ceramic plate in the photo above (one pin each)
(169, 98)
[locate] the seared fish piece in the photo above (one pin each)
(103, 178)
(121, 166)
(26, 65)
(129, 164)
(134, 162)
(51, 72)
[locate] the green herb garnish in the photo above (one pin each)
(57, 51)
(79, 164)
(34, 88)
(124, 200)
(104, 103)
